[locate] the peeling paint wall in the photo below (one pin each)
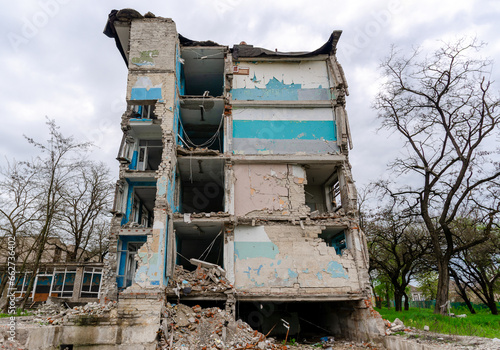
(263, 189)
(284, 131)
(285, 81)
(274, 128)
(289, 259)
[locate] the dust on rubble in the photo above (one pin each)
(200, 280)
(197, 328)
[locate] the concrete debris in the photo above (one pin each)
(10, 345)
(200, 280)
(132, 224)
(397, 322)
(55, 313)
(186, 328)
(209, 328)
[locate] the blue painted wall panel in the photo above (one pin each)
(285, 129)
(146, 94)
(278, 91)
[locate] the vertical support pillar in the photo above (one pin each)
(77, 286)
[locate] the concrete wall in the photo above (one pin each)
(286, 258)
(263, 189)
(285, 81)
(265, 125)
(274, 130)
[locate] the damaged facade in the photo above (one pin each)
(236, 157)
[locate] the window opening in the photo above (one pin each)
(141, 208)
(336, 239)
(322, 190)
(144, 112)
(57, 254)
(203, 70)
(149, 154)
(199, 242)
(127, 266)
(63, 282)
(91, 282)
(202, 182)
(131, 263)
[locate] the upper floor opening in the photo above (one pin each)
(203, 70)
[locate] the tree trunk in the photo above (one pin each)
(469, 304)
(493, 307)
(443, 286)
(398, 299)
(407, 302)
(462, 292)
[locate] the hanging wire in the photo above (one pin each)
(209, 248)
(182, 256)
(209, 142)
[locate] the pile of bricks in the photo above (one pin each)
(185, 327)
(203, 279)
(54, 314)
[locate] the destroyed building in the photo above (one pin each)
(235, 160)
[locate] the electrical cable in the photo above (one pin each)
(209, 248)
(209, 142)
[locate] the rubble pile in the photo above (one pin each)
(203, 279)
(55, 313)
(185, 327)
(396, 326)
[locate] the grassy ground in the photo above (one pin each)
(18, 313)
(482, 324)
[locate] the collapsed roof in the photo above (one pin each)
(118, 25)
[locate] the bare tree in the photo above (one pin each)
(54, 169)
(478, 268)
(85, 205)
(18, 212)
(443, 107)
(396, 245)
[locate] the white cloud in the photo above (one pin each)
(68, 70)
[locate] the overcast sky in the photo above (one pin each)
(56, 62)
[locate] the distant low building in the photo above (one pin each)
(56, 277)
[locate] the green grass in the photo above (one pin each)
(19, 312)
(482, 324)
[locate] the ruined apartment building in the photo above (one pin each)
(236, 156)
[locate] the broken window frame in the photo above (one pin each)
(143, 111)
(129, 258)
(143, 153)
(332, 192)
(93, 271)
(119, 204)
(24, 283)
(126, 150)
(131, 210)
(65, 272)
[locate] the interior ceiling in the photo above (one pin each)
(146, 130)
(318, 174)
(332, 231)
(204, 70)
(213, 110)
(206, 230)
(123, 31)
(211, 169)
(147, 195)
